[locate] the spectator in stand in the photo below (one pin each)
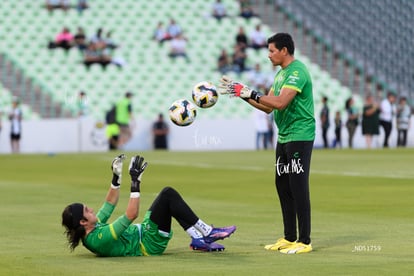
(80, 40)
(258, 38)
(239, 59)
(219, 10)
(178, 47)
(370, 120)
(82, 5)
(160, 34)
(160, 131)
(403, 121)
(57, 4)
(257, 79)
(93, 55)
(98, 40)
(246, 9)
(223, 62)
(64, 39)
(241, 38)
(173, 29)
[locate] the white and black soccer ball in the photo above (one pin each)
(182, 112)
(204, 94)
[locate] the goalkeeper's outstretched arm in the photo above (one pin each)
(136, 170)
(266, 103)
(269, 102)
(116, 167)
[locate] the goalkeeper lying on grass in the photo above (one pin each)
(151, 237)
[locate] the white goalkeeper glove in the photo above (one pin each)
(117, 171)
(237, 89)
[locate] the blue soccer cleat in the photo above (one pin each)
(201, 245)
(219, 233)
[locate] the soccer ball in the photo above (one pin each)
(182, 112)
(204, 94)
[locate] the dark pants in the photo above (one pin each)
(325, 137)
(292, 184)
(387, 126)
(402, 138)
(337, 142)
(160, 142)
(351, 132)
(169, 204)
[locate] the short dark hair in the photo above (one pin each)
(281, 40)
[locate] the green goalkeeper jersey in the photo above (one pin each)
(119, 238)
(296, 122)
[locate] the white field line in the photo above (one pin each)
(393, 175)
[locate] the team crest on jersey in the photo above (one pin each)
(280, 78)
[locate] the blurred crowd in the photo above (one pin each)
(391, 113)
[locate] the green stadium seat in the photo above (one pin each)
(148, 69)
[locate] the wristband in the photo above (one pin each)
(256, 96)
(135, 195)
(115, 187)
(115, 180)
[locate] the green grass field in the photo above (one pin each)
(362, 213)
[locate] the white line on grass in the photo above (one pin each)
(366, 174)
(209, 166)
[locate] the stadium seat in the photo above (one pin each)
(148, 68)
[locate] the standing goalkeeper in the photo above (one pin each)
(291, 100)
(121, 237)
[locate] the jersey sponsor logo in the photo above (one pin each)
(295, 166)
(292, 79)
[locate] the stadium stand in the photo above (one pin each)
(6, 99)
(155, 79)
(375, 36)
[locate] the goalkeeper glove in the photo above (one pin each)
(237, 89)
(136, 169)
(117, 171)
